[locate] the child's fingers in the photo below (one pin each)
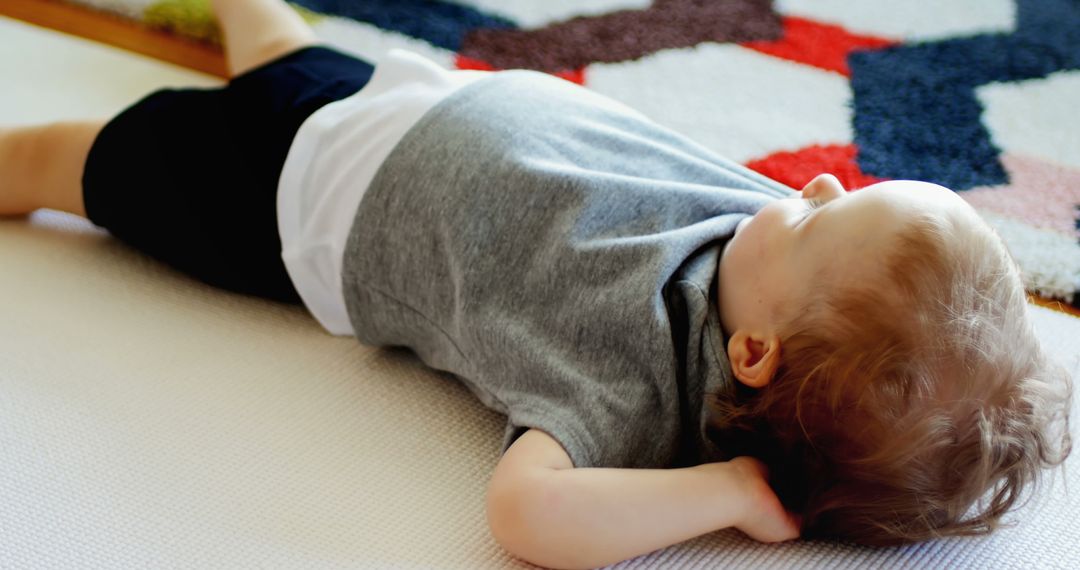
(753, 464)
(795, 521)
(765, 519)
(787, 527)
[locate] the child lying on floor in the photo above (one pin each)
(680, 345)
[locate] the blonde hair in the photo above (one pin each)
(899, 404)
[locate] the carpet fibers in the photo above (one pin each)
(976, 95)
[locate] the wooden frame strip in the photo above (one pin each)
(116, 31)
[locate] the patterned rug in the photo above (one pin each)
(977, 95)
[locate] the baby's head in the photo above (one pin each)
(888, 371)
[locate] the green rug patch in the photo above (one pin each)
(195, 19)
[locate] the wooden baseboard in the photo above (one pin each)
(116, 31)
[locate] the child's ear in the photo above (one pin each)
(754, 357)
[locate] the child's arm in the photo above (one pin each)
(545, 511)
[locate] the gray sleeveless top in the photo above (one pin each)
(557, 252)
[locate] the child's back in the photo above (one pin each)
(557, 252)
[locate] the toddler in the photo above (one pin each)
(679, 344)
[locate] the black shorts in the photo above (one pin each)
(189, 176)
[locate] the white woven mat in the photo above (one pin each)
(147, 420)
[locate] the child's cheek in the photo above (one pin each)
(745, 247)
(742, 224)
(756, 227)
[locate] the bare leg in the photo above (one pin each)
(258, 31)
(42, 166)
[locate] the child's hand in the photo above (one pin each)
(763, 517)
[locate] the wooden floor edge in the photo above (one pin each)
(116, 31)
